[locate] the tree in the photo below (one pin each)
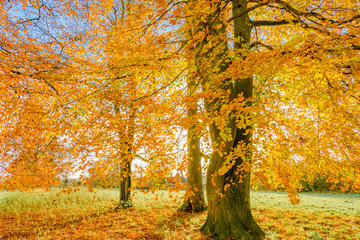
(301, 134)
(32, 124)
(228, 179)
(227, 78)
(103, 101)
(300, 58)
(194, 200)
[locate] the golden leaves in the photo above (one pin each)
(116, 88)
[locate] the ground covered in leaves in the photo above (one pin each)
(84, 215)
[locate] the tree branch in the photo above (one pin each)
(355, 47)
(257, 43)
(96, 90)
(162, 87)
(315, 15)
(260, 23)
(34, 19)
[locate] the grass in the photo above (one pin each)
(333, 203)
(85, 215)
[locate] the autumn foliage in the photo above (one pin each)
(101, 90)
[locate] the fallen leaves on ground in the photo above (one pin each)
(166, 222)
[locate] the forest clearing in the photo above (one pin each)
(85, 215)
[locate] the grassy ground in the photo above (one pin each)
(85, 215)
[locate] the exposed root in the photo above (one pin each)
(189, 206)
(124, 204)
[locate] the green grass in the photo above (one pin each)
(17, 202)
(334, 203)
(85, 215)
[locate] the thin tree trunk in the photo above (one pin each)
(125, 186)
(194, 197)
(127, 133)
(194, 200)
(127, 156)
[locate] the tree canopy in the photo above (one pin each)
(276, 85)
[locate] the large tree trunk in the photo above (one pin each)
(229, 212)
(228, 191)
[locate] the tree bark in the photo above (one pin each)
(228, 194)
(194, 197)
(125, 186)
(127, 156)
(194, 200)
